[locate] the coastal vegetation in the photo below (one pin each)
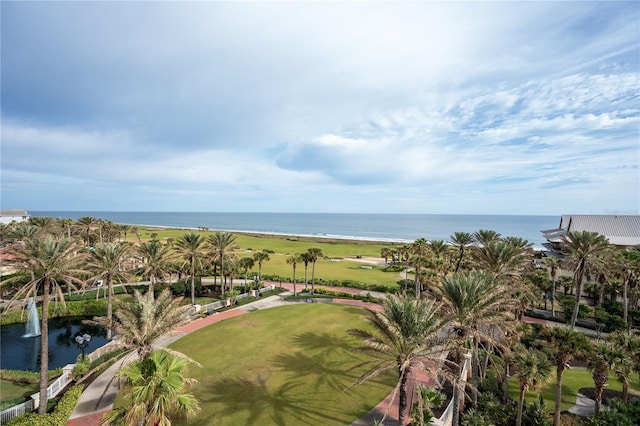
(445, 302)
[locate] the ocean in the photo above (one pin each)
(374, 227)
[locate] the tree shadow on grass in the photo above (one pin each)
(327, 343)
(334, 374)
(264, 405)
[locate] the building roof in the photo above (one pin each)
(13, 213)
(620, 230)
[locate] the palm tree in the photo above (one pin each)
(629, 347)
(479, 308)
(461, 240)
(222, 243)
(306, 259)
(314, 254)
(554, 265)
(485, 236)
(144, 319)
(293, 260)
(261, 257)
(66, 225)
(404, 336)
(385, 253)
(106, 263)
(566, 345)
(419, 262)
(604, 358)
(155, 258)
(504, 259)
(439, 248)
(583, 248)
(46, 224)
(47, 262)
(532, 371)
(191, 247)
(246, 263)
(155, 388)
(85, 226)
(628, 262)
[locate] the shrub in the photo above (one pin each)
(179, 288)
(58, 417)
(82, 366)
(32, 377)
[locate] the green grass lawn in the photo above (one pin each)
(12, 393)
(572, 381)
(286, 365)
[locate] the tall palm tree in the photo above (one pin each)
(404, 336)
(419, 262)
(306, 259)
(106, 263)
(85, 226)
(532, 371)
(246, 263)
(155, 261)
(47, 262)
(222, 243)
(603, 359)
(584, 248)
(504, 259)
(628, 262)
(461, 240)
(261, 257)
(314, 253)
(139, 322)
(46, 224)
(479, 308)
(293, 260)
(554, 265)
(439, 248)
(155, 388)
(67, 225)
(565, 345)
(191, 247)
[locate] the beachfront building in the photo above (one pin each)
(8, 216)
(622, 231)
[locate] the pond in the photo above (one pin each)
(23, 353)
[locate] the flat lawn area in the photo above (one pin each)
(287, 365)
(10, 391)
(328, 270)
(572, 381)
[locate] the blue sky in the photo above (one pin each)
(381, 107)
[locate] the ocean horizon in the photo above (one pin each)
(356, 226)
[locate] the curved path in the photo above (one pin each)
(98, 398)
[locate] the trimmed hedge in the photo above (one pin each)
(58, 417)
(32, 377)
(74, 308)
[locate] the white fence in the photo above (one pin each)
(15, 411)
(214, 306)
(447, 417)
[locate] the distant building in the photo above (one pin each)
(8, 216)
(622, 231)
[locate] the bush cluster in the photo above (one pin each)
(31, 377)
(58, 417)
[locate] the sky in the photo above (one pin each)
(351, 107)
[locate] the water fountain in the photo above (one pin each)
(32, 327)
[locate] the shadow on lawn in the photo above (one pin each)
(326, 342)
(264, 405)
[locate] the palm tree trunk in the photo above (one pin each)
(305, 276)
(625, 301)
(313, 276)
(520, 407)
(193, 284)
(44, 348)
(625, 392)
(402, 403)
(109, 305)
(579, 275)
(558, 401)
(553, 298)
(294, 282)
(598, 398)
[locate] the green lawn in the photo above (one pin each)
(572, 381)
(286, 365)
(12, 393)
